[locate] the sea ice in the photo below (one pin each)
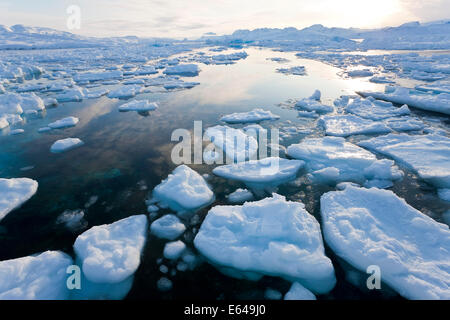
(332, 159)
(259, 174)
(271, 237)
(347, 125)
(428, 155)
(375, 227)
(299, 292)
(375, 110)
(64, 123)
(187, 70)
(184, 189)
(14, 192)
(256, 115)
(240, 196)
(65, 145)
(37, 277)
(112, 253)
(138, 105)
(167, 227)
(125, 91)
(237, 145)
(174, 250)
(312, 104)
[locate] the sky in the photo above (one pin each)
(193, 18)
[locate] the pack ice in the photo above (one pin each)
(271, 237)
(37, 277)
(64, 123)
(258, 174)
(312, 104)
(184, 189)
(375, 227)
(428, 155)
(14, 192)
(187, 70)
(347, 125)
(413, 98)
(234, 142)
(334, 160)
(112, 253)
(256, 115)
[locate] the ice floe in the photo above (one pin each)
(240, 195)
(256, 115)
(37, 277)
(64, 123)
(187, 70)
(271, 237)
(125, 91)
(167, 227)
(428, 155)
(334, 160)
(418, 99)
(237, 145)
(66, 145)
(138, 105)
(347, 125)
(174, 250)
(112, 253)
(375, 227)
(184, 189)
(259, 174)
(375, 110)
(312, 104)
(298, 70)
(14, 192)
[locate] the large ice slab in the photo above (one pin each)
(256, 115)
(37, 277)
(267, 172)
(14, 192)
(430, 102)
(271, 237)
(375, 110)
(184, 189)
(347, 125)
(237, 145)
(428, 155)
(332, 159)
(66, 145)
(13, 103)
(375, 227)
(112, 253)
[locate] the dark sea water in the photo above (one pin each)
(126, 155)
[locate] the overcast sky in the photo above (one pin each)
(192, 18)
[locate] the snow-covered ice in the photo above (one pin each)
(112, 253)
(187, 70)
(237, 145)
(65, 145)
(14, 192)
(256, 115)
(184, 189)
(167, 227)
(271, 237)
(174, 250)
(125, 91)
(375, 110)
(347, 125)
(332, 159)
(36, 277)
(64, 123)
(138, 105)
(240, 195)
(375, 227)
(428, 155)
(312, 104)
(258, 174)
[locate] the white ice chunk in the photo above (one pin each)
(347, 125)
(368, 227)
(38, 277)
(174, 250)
(138, 105)
(65, 145)
(255, 115)
(14, 192)
(188, 70)
(267, 172)
(112, 253)
(125, 92)
(184, 189)
(240, 196)
(64, 123)
(271, 237)
(167, 227)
